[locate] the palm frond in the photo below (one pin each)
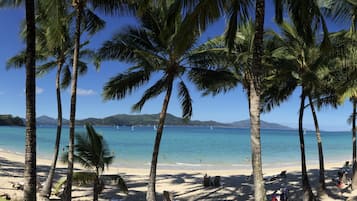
(66, 77)
(238, 14)
(10, 3)
(92, 22)
(151, 92)
(45, 68)
(212, 81)
(185, 100)
(121, 85)
(17, 61)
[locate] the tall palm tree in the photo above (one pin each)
(160, 46)
(54, 50)
(30, 147)
(92, 152)
(345, 42)
(346, 10)
(310, 63)
(254, 101)
(30, 151)
(94, 23)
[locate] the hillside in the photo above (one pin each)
(152, 119)
(9, 120)
(263, 125)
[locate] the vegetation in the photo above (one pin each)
(92, 152)
(163, 47)
(9, 120)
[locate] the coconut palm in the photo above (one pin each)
(82, 13)
(30, 151)
(310, 65)
(30, 146)
(345, 42)
(54, 50)
(158, 46)
(92, 152)
(346, 10)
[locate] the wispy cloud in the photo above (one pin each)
(85, 92)
(39, 90)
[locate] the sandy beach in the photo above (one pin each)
(184, 184)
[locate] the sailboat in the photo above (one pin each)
(132, 128)
(155, 128)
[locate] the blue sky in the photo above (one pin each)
(228, 107)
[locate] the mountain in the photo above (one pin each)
(9, 120)
(263, 125)
(46, 120)
(152, 119)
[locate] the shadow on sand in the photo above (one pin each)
(235, 187)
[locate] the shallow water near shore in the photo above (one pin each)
(192, 147)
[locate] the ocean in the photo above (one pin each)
(192, 147)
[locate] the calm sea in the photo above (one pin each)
(193, 147)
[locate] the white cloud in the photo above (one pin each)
(39, 90)
(85, 92)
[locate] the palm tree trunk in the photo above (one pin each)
(151, 194)
(354, 160)
(68, 189)
(322, 187)
(30, 149)
(96, 186)
(46, 191)
(307, 192)
(254, 102)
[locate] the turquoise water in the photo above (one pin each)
(193, 147)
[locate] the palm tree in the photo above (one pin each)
(345, 42)
(54, 51)
(30, 151)
(30, 147)
(310, 63)
(95, 23)
(346, 10)
(92, 152)
(254, 101)
(160, 46)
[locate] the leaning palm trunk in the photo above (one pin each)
(151, 194)
(96, 186)
(254, 102)
(354, 161)
(307, 192)
(322, 187)
(46, 191)
(30, 149)
(67, 196)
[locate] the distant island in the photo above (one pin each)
(9, 120)
(136, 120)
(152, 119)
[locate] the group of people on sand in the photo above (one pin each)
(343, 183)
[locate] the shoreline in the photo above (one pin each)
(295, 166)
(186, 184)
(227, 171)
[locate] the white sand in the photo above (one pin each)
(184, 184)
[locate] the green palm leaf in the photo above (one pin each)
(121, 85)
(185, 100)
(152, 92)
